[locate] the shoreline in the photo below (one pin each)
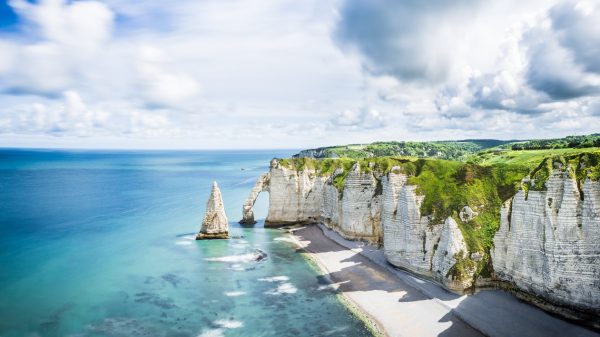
(412, 305)
(374, 326)
(374, 295)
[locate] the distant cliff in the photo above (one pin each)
(462, 225)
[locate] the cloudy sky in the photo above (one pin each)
(295, 74)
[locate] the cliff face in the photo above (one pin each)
(411, 242)
(548, 243)
(380, 209)
(294, 196)
(354, 212)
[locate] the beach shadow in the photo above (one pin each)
(493, 310)
(358, 274)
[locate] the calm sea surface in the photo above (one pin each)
(96, 243)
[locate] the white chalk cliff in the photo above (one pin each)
(214, 224)
(378, 209)
(548, 244)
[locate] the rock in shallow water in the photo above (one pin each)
(214, 225)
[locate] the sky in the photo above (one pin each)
(238, 74)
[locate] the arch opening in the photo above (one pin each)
(262, 185)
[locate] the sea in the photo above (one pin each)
(102, 243)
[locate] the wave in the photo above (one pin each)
(256, 255)
(222, 324)
(285, 239)
(234, 293)
(229, 323)
(212, 333)
(284, 288)
(186, 239)
(275, 279)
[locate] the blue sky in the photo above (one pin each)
(294, 74)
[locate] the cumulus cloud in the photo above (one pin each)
(61, 41)
(359, 119)
(521, 57)
(298, 74)
(70, 115)
(412, 40)
(162, 87)
(576, 26)
(564, 57)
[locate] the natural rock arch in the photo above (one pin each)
(262, 185)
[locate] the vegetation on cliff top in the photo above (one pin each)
(451, 150)
(572, 142)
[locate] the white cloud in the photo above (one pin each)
(359, 120)
(163, 87)
(296, 74)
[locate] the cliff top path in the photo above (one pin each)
(404, 305)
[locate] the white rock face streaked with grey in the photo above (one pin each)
(548, 243)
(450, 249)
(294, 196)
(262, 184)
(214, 224)
(410, 242)
(377, 209)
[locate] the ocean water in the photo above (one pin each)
(97, 243)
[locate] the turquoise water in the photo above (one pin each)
(102, 244)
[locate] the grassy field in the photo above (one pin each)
(528, 158)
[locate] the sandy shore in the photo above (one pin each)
(401, 304)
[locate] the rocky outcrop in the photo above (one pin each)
(451, 264)
(262, 185)
(548, 244)
(214, 224)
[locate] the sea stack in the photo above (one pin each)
(214, 225)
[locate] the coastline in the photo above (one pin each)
(389, 306)
(412, 307)
(374, 326)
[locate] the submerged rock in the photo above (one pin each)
(214, 225)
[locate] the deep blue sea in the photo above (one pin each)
(97, 243)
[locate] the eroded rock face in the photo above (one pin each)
(450, 264)
(411, 242)
(548, 243)
(294, 197)
(375, 208)
(355, 213)
(214, 224)
(262, 184)
(467, 214)
(361, 209)
(408, 240)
